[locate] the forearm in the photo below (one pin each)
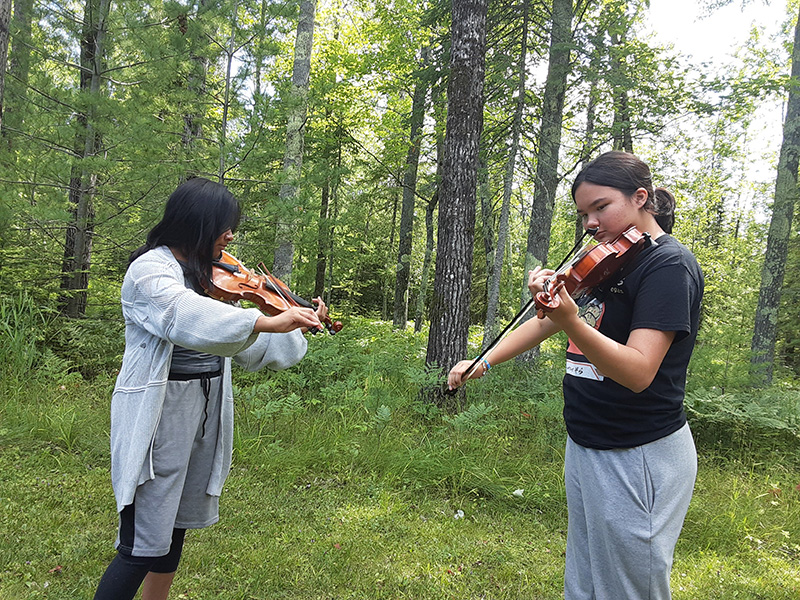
(289, 320)
(525, 337)
(633, 365)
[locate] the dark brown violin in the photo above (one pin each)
(590, 267)
(231, 281)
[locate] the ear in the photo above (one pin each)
(639, 197)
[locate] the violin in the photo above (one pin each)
(594, 264)
(591, 266)
(231, 281)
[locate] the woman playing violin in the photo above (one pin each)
(630, 461)
(172, 405)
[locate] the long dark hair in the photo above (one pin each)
(196, 214)
(627, 173)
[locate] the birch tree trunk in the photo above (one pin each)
(549, 144)
(496, 272)
(403, 271)
(447, 340)
(780, 227)
(78, 243)
(293, 157)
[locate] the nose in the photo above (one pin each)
(590, 222)
(228, 235)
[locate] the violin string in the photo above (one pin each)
(569, 257)
(268, 276)
(575, 247)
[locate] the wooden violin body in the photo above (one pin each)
(591, 267)
(231, 281)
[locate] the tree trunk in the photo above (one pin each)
(400, 317)
(327, 218)
(196, 83)
(422, 298)
(385, 279)
(496, 272)
(621, 127)
(15, 92)
(78, 244)
(447, 340)
(5, 19)
(780, 227)
(223, 130)
(419, 316)
(549, 144)
(486, 204)
(322, 238)
(293, 157)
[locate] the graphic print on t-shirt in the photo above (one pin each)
(577, 364)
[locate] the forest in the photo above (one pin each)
(329, 123)
(409, 162)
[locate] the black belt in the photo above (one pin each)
(189, 376)
(205, 381)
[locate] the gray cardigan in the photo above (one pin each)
(160, 312)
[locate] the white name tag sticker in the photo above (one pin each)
(583, 370)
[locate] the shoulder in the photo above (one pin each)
(158, 261)
(669, 266)
(668, 251)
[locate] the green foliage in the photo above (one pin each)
(93, 346)
(475, 418)
(343, 481)
(746, 419)
(23, 354)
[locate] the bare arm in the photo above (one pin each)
(528, 335)
(633, 364)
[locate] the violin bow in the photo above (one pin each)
(519, 316)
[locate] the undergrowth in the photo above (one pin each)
(345, 481)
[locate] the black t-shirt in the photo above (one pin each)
(661, 290)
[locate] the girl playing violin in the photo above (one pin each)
(630, 462)
(172, 406)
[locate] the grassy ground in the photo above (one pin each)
(352, 489)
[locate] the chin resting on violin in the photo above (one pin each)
(630, 461)
(174, 393)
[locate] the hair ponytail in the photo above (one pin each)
(663, 209)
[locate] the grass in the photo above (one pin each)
(345, 486)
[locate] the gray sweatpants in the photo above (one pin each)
(626, 510)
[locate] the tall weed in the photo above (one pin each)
(360, 412)
(23, 355)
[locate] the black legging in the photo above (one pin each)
(125, 574)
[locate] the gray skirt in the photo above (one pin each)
(183, 452)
